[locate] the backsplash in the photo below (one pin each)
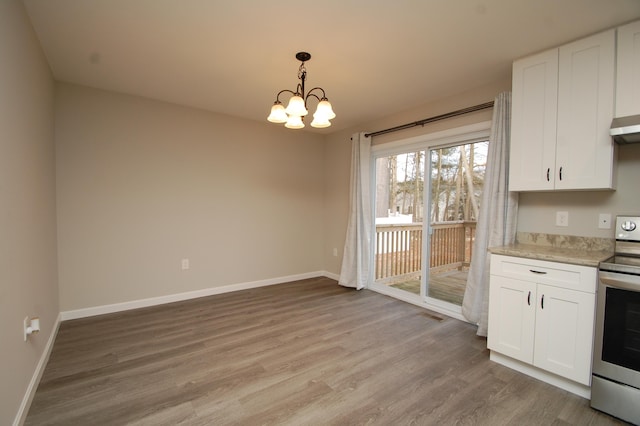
(566, 241)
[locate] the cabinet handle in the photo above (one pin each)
(560, 173)
(529, 299)
(548, 171)
(537, 272)
(542, 302)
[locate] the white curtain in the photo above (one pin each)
(356, 262)
(497, 218)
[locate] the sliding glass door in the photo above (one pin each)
(426, 208)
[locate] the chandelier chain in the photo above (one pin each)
(302, 71)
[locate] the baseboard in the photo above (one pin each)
(117, 307)
(178, 297)
(557, 381)
(331, 275)
(37, 375)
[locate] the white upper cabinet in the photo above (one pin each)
(533, 125)
(628, 71)
(562, 110)
(585, 150)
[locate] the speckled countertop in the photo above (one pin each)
(585, 251)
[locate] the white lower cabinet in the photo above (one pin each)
(542, 313)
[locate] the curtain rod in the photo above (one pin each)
(452, 114)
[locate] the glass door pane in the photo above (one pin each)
(399, 212)
(456, 183)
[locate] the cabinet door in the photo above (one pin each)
(533, 130)
(628, 74)
(585, 151)
(564, 332)
(511, 317)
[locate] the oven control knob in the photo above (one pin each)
(628, 226)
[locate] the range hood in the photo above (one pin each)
(626, 129)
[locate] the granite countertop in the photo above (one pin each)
(585, 251)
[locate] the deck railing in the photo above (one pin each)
(399, 249)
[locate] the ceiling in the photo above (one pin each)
(373, 57)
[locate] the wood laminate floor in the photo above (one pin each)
(303, 353)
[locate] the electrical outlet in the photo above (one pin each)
(335, 252)
(185, 264)
(30, 326)
(562, 218)
(604, 221)
(25, 327)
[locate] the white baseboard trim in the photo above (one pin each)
(557, 381)
(117, 307)
(21, 416)
(178, 297)
(331, 275)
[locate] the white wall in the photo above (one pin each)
(28, 275)
(537, 210)
(143, 184)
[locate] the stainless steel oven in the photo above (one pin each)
(615, 385)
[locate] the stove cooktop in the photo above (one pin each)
(627, 257)
(621, 263)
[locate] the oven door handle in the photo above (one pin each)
(618, 280)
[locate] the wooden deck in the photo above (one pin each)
(399, 257)
(447, 286)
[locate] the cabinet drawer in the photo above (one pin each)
(573, 277)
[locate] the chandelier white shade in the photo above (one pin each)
(294, 122)
(324, 109)
(296, 109)
(278, 114)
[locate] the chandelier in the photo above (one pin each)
(296, 109)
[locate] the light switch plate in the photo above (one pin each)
(604, 221)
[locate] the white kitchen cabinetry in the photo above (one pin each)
(562, 106)
(533, 122)
(542, 314)
(628, 70)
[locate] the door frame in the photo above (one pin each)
(442, 139)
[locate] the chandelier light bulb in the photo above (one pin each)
(324, 108)
(296, 106)
(294, 122)
(278, 114)
(320, 122)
